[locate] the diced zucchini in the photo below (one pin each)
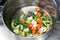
(27, 34)
(21, 33)
(43, 18)
(47, 22)
(47, 18)
(12, 24)
(44, 23)
(28, 21)
(21, 27)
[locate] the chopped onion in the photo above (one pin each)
(26, 30)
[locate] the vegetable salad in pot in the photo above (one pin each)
(33, 21)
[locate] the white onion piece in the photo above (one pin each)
(16, 31)
(34, 23)
(30, 18)
(26, 30)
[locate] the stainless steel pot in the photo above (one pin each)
(10, 8)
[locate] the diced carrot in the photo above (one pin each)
(38, 26)
(30, 25)
(38, 14)
(37, 9)
(39, 21)
(23, 21)
(41, 24)
(37, 33)
(33, 29)
(45, 14)
(33, 32)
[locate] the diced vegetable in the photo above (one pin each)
(35, 13)
(17, 26)
(21, 27)
(30, 18)
(16, 31)
(33, 32)
(37, 33)
(28, 21)
(38, 14)
(25, 15)
(32, 23)
(45, 14)
(44, 23)
(21, 33)
(43, 29)
(26, 30)
(25, 25)
(12, 24)
(38, 26)
(37, 9)
(40, 21)
(23, 21)
(33, 29)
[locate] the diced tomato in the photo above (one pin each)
(37, 9)
(23, 21)
(30, 25)
(45, 14)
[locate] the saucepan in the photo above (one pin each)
(12, 6)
